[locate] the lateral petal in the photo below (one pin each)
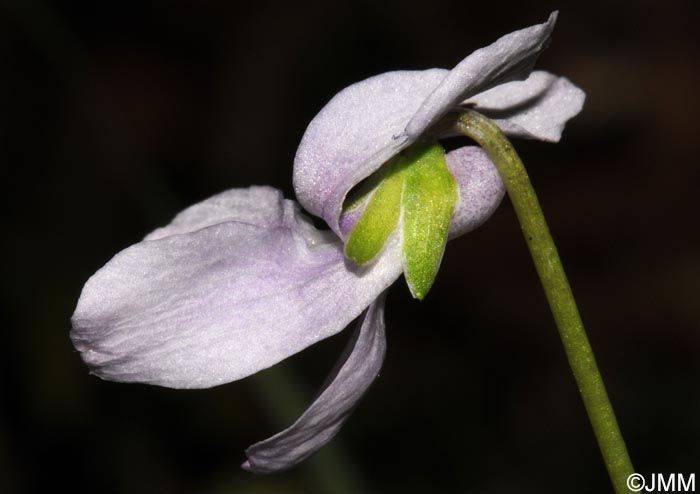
(536, 108)
(345, 386)
(215, 297)
(480, 188)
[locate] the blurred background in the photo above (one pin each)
(116, 115)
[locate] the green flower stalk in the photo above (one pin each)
(556, 287)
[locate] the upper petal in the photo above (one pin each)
(346, 385)
(536, 108)
(354, 134)
(510, 58)
(367, 123)
(207, 301)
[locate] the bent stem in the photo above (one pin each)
(561, 300)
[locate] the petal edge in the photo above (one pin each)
(199, 309)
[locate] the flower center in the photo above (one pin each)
(415, 195)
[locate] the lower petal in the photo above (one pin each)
(200, 304)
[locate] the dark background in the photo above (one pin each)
(116, 115)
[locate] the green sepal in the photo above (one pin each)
(417, 185)
(380, 217)
(429, 199)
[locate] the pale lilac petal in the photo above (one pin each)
(254, 205)
(367, 123)
(536, 108)
(345, 386)
(212, 304)
(480, 188)
(510, 58)
(354, 134)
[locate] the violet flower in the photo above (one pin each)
(243, 280)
